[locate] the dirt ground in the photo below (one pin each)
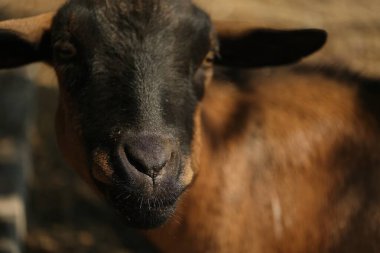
(65, 216)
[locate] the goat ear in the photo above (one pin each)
(264, 47)
(26, 40)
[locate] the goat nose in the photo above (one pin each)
(148, 153)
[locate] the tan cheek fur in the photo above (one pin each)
(102, 169)
(69, 138)
(276, 183)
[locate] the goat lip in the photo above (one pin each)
(143, 213)
(147, 219)
(129, 201)
(151, 209)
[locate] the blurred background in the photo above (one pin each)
(45, 207)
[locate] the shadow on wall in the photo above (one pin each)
(16, 95)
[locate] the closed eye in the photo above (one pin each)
(64, 50)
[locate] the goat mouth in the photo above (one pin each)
(148, 219)
(141, 202)
(142, 211)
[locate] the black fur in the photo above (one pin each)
(267, 47)
(17, 51)
(132, 73)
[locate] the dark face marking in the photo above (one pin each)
(131, 72)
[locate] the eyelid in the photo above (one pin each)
(64, 50)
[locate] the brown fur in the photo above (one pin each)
(285, 165)
(70, 140)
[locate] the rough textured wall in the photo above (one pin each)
(353, 26)
(24, 8)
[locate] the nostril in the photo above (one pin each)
(148, 154)
(145, 164)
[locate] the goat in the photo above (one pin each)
(160, 113)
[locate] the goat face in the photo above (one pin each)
(128, 94)
(131, 74)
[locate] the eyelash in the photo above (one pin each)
(64, 50)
